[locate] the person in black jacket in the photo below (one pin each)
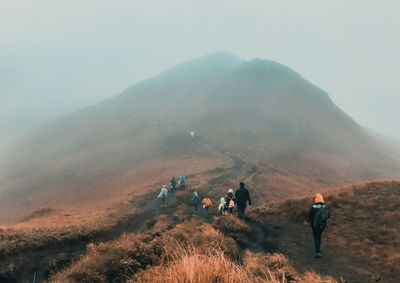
(318, 217)
(195, 201)
(241, 197)
(173, 184)
(230, 201)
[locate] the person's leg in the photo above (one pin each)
(319, 235)
(206, 210)
(240, 212)
(316, 243)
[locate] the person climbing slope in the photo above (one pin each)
(182, 182)
(163, 194)
(173, 184)
(221, 206)
(195, 201)
(206, 205)
(241, 197)
(230, 201)
(318, 217)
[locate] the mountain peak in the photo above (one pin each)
(262, 65)
(215, 63)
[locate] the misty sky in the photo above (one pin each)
(59, 56)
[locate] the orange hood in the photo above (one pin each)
(319, 198)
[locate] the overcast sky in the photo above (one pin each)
(59, 56)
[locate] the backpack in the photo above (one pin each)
(231, 204)
(320, 218)
(207, 202)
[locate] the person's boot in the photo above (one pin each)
(318, 255)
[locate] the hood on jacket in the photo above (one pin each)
(319, 198)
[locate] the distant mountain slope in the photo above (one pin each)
(259, 111)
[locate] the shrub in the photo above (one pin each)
(230, 223)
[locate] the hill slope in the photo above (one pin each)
(362, 241)
(285, 132)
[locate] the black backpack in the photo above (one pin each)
(320, 218)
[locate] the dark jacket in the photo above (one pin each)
(173, 182)
(241, 197)
(313, 210)
(195, 199)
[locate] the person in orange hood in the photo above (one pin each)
(318, 217)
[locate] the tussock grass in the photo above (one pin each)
(112, 261)
(231, 223)
(192, 265)
(190, 251)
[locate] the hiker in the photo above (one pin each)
(195, 201)
(241, 197)
(206, 205)
(163, 194)
(182, 182)
(221, 206)
(173, 184)
(230, 201)
(318, 217)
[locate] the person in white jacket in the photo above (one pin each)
(163, 194)
(221, 206)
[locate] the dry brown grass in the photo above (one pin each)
(231, 223)
(188, 251)
(364, 224)
(117, 260)
(112, 261)
(22, 237)
(195, 266)
(176, 243)
(54, 244)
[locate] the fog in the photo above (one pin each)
(57, 57)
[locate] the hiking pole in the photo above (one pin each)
(34, 277)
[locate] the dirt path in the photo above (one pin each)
(296, 243)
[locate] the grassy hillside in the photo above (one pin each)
(287, 130)
(363, 233)
(167, 243)
(143, 241)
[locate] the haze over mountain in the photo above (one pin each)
(260, 116)
(391, 144)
